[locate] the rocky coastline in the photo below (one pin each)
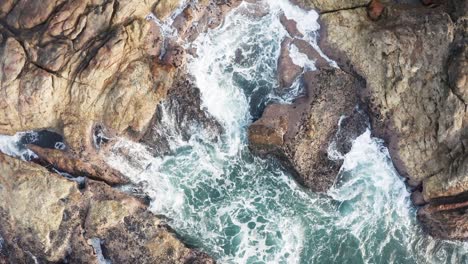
(89, 71)
(412, 66)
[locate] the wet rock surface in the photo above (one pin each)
(300, 134)
(413, 61)
(180, 117)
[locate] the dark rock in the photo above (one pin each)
(299, 134)
(43, 139)
(417, 198)
(183, 109)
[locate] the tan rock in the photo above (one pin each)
(164, 8)
(33, 207)
(27, 14)
(12, 62)
(45, 217)
(65, 162)
(328, 6)
(414, 106)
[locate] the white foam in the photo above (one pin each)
(301, 59)
(242, 209)
(96, 244)
(10, 145)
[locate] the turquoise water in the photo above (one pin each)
(243, 209)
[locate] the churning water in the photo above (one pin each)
(242, 209)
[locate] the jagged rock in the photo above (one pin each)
(416, 101)
(90, 71)
(46, 218)
(445, 221)
(299, 134)
(180, 115)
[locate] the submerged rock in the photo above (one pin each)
(299, 134)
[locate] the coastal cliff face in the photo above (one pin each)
(413, 62)
(88, 70)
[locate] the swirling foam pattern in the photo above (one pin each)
(242, 209)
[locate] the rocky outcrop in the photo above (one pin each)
(46, 218)
(300, 134)
(414, 63)
(90, 71)
(72, 66)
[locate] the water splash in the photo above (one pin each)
(11, 145)
(242, 209)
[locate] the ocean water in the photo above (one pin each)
(243, 209)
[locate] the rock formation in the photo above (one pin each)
(299, 134)
(46, 218)
(413, 61)
(89, 71)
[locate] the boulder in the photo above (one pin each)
(299, 134)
